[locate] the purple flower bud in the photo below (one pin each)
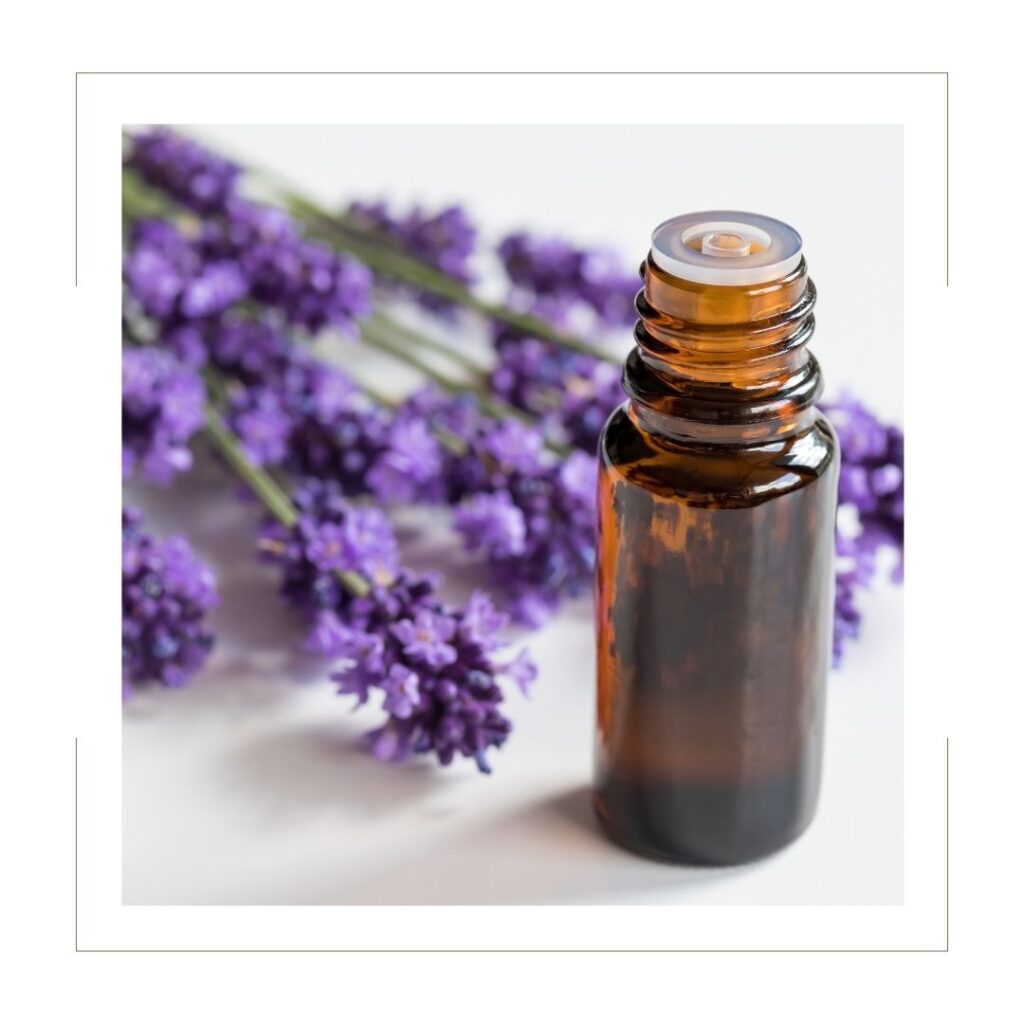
(161, 408)
(552, 268)
(424, 638)
(166, 592)
(186, 171)
(401, 689)
(492, 523)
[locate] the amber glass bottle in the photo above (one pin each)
(717, 503)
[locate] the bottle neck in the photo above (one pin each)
(720, 364)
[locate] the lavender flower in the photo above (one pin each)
(572, 395)
(492, 523)
(406, 468)
(445, 240)
(171, 279)
(262, 424)
(402, 689)
(161, 408)
(307, 283)
(186, 171)
(437, 668)
(434, 665)
(425, 637)
(553, 269)
(166, 592)
(871, 474)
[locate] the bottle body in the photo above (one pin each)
(715, 580)
(714, 639)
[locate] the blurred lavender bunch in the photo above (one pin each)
(871, 474)
(161, 408)
(553, 269)
(242, 249)
(570, 394)
(173, 280)
(871, 488)
(435, 666)
(445, 240)
(256, 254)
(166, 592)
(186, 171)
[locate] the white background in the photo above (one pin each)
(253, 787)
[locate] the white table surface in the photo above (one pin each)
(252, 786)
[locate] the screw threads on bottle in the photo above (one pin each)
(717, 363)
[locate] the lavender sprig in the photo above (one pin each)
(435, 666)
(294, 411)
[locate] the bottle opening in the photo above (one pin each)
(726, 247)
(725, 243)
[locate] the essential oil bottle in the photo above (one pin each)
(716, 509)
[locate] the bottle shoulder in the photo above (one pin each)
(719, 475)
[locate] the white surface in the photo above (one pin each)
(252, 786)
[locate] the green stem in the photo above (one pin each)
(139, 201)
(277, 502)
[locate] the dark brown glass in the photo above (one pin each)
(717, 503)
